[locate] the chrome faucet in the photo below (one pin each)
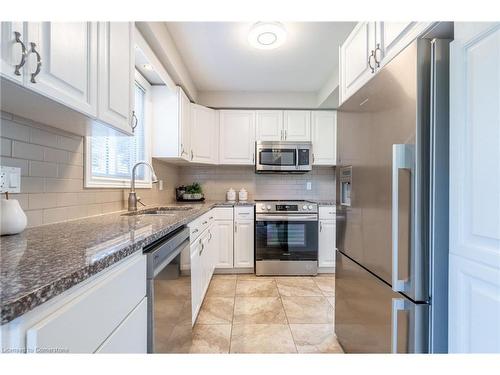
(132, 196)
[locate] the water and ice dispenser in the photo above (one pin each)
(345, 186)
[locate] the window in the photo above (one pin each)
(111, 156)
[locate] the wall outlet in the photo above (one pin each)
(10, 179)
(308, 185)
(160, 185)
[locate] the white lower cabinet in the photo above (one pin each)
(131, 335)
(243, 243)
(196, 279)
(326, 244)
(223, 233)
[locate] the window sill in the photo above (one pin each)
(116, 184)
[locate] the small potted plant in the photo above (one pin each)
(193, 192)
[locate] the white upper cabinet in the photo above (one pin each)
(297, 126)
(269, 125)
(324, 137)
(392, 37)
(14, 47)
(369, 47)
(237, 137)
(62, 63)
(171, 123)
(203, 135)
(355, 68)
(116, 74)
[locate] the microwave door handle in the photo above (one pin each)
(296, 158)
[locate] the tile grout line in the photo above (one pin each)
(286, 316)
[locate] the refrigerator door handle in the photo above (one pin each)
(398, 304)
(403, 157)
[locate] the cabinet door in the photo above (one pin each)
(203, 133)
(223, 232)
(269, 125)
(237, 137)
(116, 74)
(326, 251)
(131, 335)
(392, 37)
(184, 124)
(196, 278)
(243, 244)
(324, 137)
(354, 53)
(67, 65)
(11, 54)
(297, 126)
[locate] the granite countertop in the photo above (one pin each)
(44, 261)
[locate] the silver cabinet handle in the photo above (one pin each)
(205, 222)
(235, 227)
(403, 157)
(370, 61)
(24, 53)
(285, 135)
(321, 226)
(281, 137)
(377, 61)
(134, 121)
(38, 62)
(195, 230)
(191, 154)
(253, 158)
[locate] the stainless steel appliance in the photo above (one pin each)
(169, 295)
(284, 157)
(392, 207)
(286, 238)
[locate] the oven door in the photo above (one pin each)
(276, 159)
(286, 237)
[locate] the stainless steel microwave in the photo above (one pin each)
(283, 157)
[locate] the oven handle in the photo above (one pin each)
(286, 218)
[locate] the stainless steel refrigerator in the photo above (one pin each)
(392, 207)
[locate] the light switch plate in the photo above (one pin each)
(10, 179)
(308, 185)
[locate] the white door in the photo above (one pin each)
(116, 74)
(202, 134)
(269, 125)
(62, 63)
(392, 37)
(474, 273)
(13, 42)
(354, 67)
(223, 233)
(237, 137)
(324, 137)
(243, 243)
(326, 245)
(297, 126)
(184, 124)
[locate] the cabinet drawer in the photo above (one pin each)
(196, 227)
(85, 322)
(223, 213)
(245, 212)
(131, 335)
(327, 212)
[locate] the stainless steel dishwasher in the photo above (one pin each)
(169, 295)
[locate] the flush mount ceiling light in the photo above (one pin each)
(148, 67)
(267, 35)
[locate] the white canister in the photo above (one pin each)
(13, 219)
(243, 195)
(231, 195)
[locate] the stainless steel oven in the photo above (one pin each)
(284, 157)
(286, 238)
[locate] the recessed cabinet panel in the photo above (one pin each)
(297, 126)
(324, 137)
(203, 133)
(326, 244)
(11, 56)
(116, 69)
(243, 244)
(237, 137)
(62, 64)
(269, 125)
(223, 233)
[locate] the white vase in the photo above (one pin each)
(231, 195)
(243, 195)
(13, 218)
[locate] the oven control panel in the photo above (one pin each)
(286, 207)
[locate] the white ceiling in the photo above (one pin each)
(219, 57)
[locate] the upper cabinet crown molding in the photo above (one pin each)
(72, 73)
(369, 47)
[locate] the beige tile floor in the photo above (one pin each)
(254, 314)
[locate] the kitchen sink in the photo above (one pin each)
(163, 211)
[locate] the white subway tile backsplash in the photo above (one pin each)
(69, 171)
(6, 147)
(28, 151)
(42, 200)
(70, 144)
(44, 138)
(63, 185)
(32, 184)
(13, 130)
(55, 155)
(43, 169)
(35, 218)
